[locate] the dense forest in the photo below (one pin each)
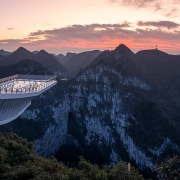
(18, 161)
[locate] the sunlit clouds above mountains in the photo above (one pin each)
(102, 24)
(141, 35)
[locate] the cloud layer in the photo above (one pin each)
(168, 8)
(159, 24)
(77, 38)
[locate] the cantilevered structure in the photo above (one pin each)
(17, 92)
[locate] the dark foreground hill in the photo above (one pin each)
(18, 161)
(25, 66)
(163, 72)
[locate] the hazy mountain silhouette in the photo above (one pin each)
(35, 52)
(16, 56)
(4, 53)
(42, 57)
(68, 56)
(48, 61)
(75, 62)
(59, 57)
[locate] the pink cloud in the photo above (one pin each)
(168, 8)
(78, 38)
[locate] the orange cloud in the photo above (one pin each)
(78, 38)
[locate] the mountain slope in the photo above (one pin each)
(121, 58)
(59, 57)
(66, 58)
(18, 161)
(4, 53)
(18, 55)
(109, 112)
(74, 63)
(42, 57)
(162, 70)
(49, 62)
(23, 67)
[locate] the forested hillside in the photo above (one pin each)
(18, 161)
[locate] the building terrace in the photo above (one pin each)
(17, 92)
(25, 85)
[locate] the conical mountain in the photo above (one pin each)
(49, 62)
(42, 57)
(124, 50)
(120, 58)
(18, 55)
(22, 53)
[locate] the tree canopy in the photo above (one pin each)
(18, 161)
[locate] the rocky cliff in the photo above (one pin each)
(109, 112)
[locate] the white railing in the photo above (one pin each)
(25, 83)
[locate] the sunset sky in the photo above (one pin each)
(61, 26)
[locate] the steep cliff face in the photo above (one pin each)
(97, 117)
(106, 114)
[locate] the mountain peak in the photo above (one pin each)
(42, 52)
(122, 51)
(35, 52)
(21, 49)
(122, 48)
(69, 54)
(152, 55)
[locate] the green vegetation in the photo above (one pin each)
(169, 168)
(18, 161)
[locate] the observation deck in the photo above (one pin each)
(17, 92)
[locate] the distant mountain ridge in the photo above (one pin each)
(74, 62)
(42, 57)
(48, 61)
(4, 53)
(121, 57)
(69, 64)
(59, 57)
(66, 58)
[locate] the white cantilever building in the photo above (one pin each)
(17, 92)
